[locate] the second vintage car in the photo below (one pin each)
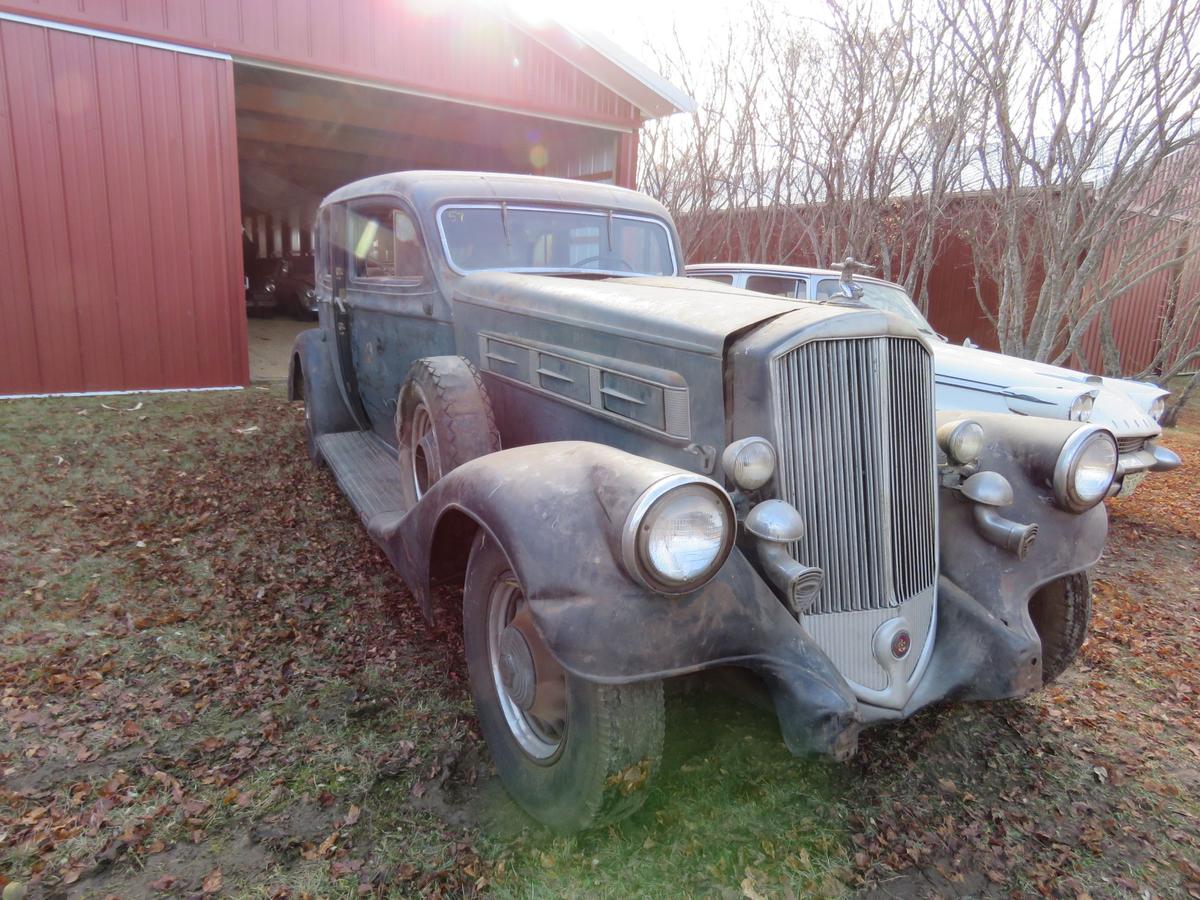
(970, 378)
(637, 477)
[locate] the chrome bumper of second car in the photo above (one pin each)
(1134, 464)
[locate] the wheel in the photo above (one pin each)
(574, 754)
(443, 419)
(1061, 612)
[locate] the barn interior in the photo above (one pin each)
(300, 136)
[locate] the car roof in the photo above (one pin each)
(768, 269)
(427, 189)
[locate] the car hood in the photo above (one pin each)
(683, 313)
(969, 368)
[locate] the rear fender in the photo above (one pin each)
(311, 377)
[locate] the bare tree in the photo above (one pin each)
(1084, 104)
(1049, 135)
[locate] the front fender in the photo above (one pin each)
(557, 510)
(1024, 450)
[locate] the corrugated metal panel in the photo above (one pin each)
(118, 178)
(470, 54)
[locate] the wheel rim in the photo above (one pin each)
(540, 737)
(426, 464)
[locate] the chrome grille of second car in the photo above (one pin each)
(1130, 445)
(856, 432)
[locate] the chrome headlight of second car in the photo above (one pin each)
(678, 533)
(1081, 408)
(1157, 408)
(1086, 467)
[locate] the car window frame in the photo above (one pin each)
(799, 289)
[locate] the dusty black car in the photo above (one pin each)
(282, 284)
(639, 477)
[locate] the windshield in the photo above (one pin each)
(884, 297)
(531, 239)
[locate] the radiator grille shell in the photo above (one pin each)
(856, 437)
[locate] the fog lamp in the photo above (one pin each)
(961, 441)
(749, 463)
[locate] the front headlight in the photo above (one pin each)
(1157, 408)
(678, 534)
(1087, 465)
(1081, 409)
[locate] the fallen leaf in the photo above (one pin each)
(212, 883)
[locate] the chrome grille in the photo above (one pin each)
(1130, 445)
(856, 439)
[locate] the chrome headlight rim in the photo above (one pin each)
(633, 556)
(1066, 468)
(951, 435)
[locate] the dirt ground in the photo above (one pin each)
(213, 684)
(269, 341)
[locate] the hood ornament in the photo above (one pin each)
(850, 289)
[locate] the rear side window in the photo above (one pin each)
(777, 285)
(720, 279)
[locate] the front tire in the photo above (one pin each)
(574, 754)
(1062, 614)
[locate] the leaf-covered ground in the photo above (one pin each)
(213, 684)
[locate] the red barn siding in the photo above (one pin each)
(118, 210)
(460, 51)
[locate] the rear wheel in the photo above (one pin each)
(1062, 613)
(443, 419)
(573, 753)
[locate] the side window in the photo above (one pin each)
(386, 246)
(774, 284)
(720, 279)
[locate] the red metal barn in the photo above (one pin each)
(138, 138)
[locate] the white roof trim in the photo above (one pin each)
(112, 36)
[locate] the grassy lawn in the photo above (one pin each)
(213, 683)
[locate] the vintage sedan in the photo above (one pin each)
(637, 477)
(971, 378)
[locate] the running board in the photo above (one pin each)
(366, 471)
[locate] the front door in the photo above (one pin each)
(396, 313)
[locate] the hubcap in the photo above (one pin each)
(426, 464)
(529, 684)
